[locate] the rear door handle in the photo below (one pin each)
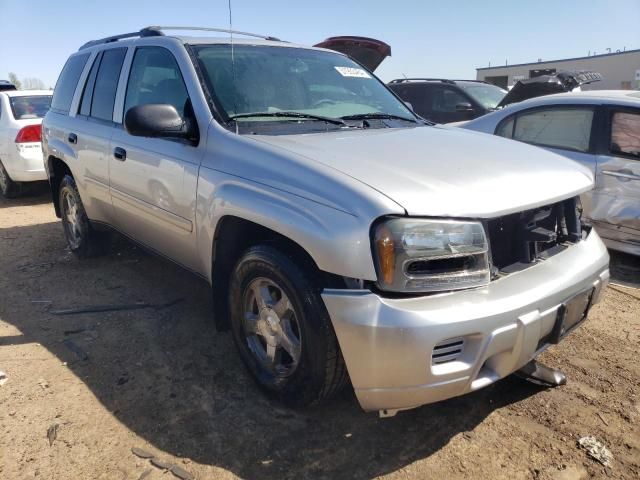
(120, 154)
(623, 174)
(73, 138)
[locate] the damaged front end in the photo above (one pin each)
(521, 239)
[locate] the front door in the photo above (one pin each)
(616, 198)
(153, 180)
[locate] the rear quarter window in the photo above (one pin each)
(67, 83)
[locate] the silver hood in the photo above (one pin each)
(443, 171)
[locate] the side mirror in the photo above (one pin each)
(464, 107)
(408, 105)
(158, 120)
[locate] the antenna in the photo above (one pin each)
(233, 63)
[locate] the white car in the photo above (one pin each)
(599, 129)
(21, 113)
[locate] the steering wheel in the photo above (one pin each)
(324, 101)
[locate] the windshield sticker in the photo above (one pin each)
(352, 72)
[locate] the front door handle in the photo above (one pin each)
(622, 174)
(73, 138)
(120, 154)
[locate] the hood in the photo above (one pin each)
(444, 171)
(366, 51)
(548, 84)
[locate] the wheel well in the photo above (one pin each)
(57, 170)
(234, 236)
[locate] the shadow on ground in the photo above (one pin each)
(32, 194)
(169, 377)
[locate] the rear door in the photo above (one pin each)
(616, 201)
(567, 130)
(93, 129)
(153, 180)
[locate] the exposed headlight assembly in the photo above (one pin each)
(422, 255)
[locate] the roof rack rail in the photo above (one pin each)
(157, 31)
(145, 32)
(417, 79)
(443, 80)
(159, 28)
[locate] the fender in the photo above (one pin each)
(337, 241)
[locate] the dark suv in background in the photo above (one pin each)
(445, 101)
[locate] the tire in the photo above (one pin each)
(305, 329)
(8, 188)
(81, 237)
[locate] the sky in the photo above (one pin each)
(428, 38)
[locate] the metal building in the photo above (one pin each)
(620, 70)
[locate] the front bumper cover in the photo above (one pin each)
(388, 343)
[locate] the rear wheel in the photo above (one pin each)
(282, 329)
(8, 188)
(82, 239)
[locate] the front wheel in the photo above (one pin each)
(282, 329)
(82, 239)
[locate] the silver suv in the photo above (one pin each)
(344, 237)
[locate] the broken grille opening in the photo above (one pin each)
(519, 239)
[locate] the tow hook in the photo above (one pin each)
(540, 374)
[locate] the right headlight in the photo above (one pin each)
(423, 255)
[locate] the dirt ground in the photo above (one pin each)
(162, 379)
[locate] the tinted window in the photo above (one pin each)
(489, 96)
(625, 134)
(67, 82)
(87, 94)
(25, 107)
(104, 92)
(568, 128)
(155, 78)
(417, 95)
(445, 99)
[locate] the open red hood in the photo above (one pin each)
(366, 51)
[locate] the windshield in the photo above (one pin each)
(266, 79)
(489, 96)
(25, 107)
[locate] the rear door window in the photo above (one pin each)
(87, 93)
(557, 127)
(67, 83)
(625, 134)
(106, 83)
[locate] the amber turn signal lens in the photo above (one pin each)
(386, 254)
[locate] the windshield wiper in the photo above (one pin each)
(334, 121)
(377, 116)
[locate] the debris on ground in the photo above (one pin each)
(181, 473)
(596, 450)
(52, 433)
(75, 348)
(3, 378)
(156, 462)
(145, 474)
(139, 452)
(115, 307)
(43, 383)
